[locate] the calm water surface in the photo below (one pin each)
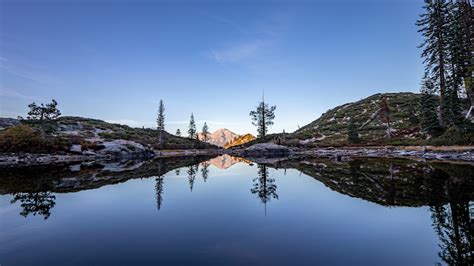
(228, 210)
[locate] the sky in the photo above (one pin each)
(115, 60)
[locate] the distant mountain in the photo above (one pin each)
(221, 137)
(239, 140)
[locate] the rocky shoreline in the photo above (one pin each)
(442, 153)
(29, 159)
(341, 154)
(257, 153)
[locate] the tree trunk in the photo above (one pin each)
(264, 129)
(468, 24)
(442, 79)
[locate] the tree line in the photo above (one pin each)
(448, 31)
(192, 131)
(262, 117)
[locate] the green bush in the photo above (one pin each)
(23, 138)
(461, 135)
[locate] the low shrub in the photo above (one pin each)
(23, 138)
(457, 135)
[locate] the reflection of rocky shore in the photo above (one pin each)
(68, 178)
(448, 189)
(393, 182)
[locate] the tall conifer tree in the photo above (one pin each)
(262, 117)
(434, 25)
(192, 127)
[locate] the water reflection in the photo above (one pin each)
(159, 191)
(447, 189)
(205, 170)
(192, 171)
(34, 203)
(454, 222)
(264, 186)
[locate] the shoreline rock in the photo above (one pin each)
(266, 150)
(29, 159)
(390, 152)
(261, 153)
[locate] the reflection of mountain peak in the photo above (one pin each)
(225, 161)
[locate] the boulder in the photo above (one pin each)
(266, 150)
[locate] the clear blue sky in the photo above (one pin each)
(114, 60)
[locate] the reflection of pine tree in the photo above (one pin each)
(205, 171)
(263, 186)
(35, 203)
(452, 223)
(159, 191)
(192, 170)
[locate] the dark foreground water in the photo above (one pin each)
(190, 211)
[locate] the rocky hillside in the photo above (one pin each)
(239, 140)
(225, 138)
(88, 136)
(331, 127)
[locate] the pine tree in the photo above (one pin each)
(160, 120)
(462, 41)
(434, 25)
(262, 117)
(192, 127)
(178, 132)
(459, 58)
(428, 109)
(205, 132)
(352, 134)
(43, 112)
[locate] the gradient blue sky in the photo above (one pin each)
(114, 60)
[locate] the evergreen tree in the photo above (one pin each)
(262, 117)
(462, 46)
(160, 120)
(352, 134)
(178, 132)
(428, 109)
(205, 132)
(192, 127)
(468, 22)
(43, 112)
(434, 25)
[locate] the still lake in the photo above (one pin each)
(231, 211)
